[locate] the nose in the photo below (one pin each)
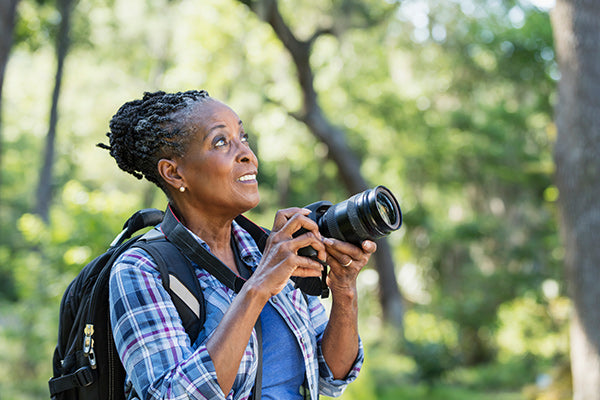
(245, 153)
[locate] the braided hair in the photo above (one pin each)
(144, 131)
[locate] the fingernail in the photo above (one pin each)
(327, 241)
(368, 245)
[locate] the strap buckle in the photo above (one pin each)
(84, 376)
(81, 378)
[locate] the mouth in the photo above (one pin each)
(247, 178)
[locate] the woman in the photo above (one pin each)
(195, 149)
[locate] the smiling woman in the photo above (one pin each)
(219, 148)
(196, 150)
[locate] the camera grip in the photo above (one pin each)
(311, 286)
(309, 252)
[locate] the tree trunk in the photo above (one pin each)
(8, 9)
(577, 155)
(335, 139)
(44, 190)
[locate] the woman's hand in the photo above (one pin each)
(346, 261)
(280, 258)
(280, 261)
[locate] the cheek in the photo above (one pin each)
(213, 168)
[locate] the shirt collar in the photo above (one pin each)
(247, 247)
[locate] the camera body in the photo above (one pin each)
(368, 215)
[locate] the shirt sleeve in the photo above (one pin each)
(328, 385)
(152, 344)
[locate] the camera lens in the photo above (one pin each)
(386, 209)
(367, 215)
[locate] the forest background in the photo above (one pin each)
(450, 104)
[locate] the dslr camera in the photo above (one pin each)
(370, 215)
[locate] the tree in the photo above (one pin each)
(339, 151)
(576, 32)
(7, 24)
(44, 189)
(481, 232)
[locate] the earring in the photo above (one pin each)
(182, 189)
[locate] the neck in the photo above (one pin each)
(215, 230)
(217, 237)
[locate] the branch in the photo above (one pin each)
(334, 137)
(312, 114)
(320, 32)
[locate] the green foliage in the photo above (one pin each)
(37, 22)
(448, 105)
(535, 327)
(433, 360)
(510, 374)
(480, 162)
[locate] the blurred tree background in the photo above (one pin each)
(447, 103)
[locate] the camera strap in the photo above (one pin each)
(178, 234)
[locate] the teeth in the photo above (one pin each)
(247, 178)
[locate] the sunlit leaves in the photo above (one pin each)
(33, 229)
(448, 103)
(527, 326)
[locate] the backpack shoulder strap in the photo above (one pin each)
(259, 234)
(179, 279)
(177, 234)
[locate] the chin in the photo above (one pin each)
(250, 203)
(255, 202)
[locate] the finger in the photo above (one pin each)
(342, 251)
(369, 246)
(338, 257)
(298, 222)
(309, 239)
(306, 273)
(307, 267)
(282, 216)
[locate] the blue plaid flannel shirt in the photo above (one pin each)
(159, 359)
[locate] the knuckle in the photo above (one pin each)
(280, 214)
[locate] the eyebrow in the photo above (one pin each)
(220, 126)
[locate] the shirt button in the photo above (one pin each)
(301, 340)
(274, 300)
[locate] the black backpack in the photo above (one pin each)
(86, 364)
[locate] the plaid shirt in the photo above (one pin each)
(160, 361)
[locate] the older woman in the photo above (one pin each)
(196, 150)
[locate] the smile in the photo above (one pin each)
(246, 178)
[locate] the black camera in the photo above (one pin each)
(370, 215)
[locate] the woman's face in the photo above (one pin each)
(219, 167)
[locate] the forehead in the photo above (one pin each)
(208, 113)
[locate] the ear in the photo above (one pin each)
(169, 172)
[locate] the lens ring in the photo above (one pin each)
(357, 218)
(386, 224)
(387, 209)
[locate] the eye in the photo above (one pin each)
(220, 141)
(244, 137)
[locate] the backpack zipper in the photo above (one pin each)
(88, 345)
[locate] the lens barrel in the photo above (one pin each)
(371, 214)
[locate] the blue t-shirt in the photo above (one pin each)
(283, 366)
